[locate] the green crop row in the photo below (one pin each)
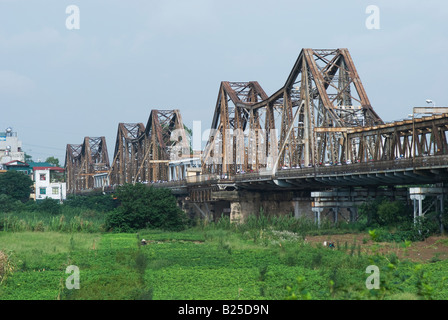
(204, 264)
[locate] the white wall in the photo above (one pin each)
(48, 186)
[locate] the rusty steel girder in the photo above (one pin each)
(129, 153)
(418, 137)
(142, 154)
(239, 133)
(322, 92)
(166, 140)
(73, 166)
(83, 161)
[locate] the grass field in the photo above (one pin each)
(208, 263)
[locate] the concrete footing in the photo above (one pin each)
(239, 205)
(438, 195)
(334, 205)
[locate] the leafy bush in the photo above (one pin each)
(391, 213)
(97, 202)
(145, 207)
(50, 206)
(418, 231)
(9, 204)
(16, 185)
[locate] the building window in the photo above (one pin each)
(43, 190)
(55, 190)
(43, 177)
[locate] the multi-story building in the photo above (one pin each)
(19, 166)
(49, 182)
(10, 147)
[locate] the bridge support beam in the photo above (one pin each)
(353, 214)
(419, 194)
(333, 202)
(317, 215)
(243, 203)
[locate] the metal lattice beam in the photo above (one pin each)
(239, 131)
(128, 154)
(321, 98)
(165, 140)
(83, 161)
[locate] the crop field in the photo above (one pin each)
(217, 264)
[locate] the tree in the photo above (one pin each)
(145, 207)
(391, 213)
(16, 185)
(93, 201)
(50, 206)
(28, 158)
(54, 161)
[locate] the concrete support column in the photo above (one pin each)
(317, 215)
(353, 214)
(236, 212)
(205, 212)
(335, 214)
(440, 199)
(296, 209)
(418, 209)
(419, 194)
(302, 207)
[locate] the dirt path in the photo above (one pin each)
(435, 247)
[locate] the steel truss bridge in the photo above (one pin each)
(317, 131)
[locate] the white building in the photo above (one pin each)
(10, 147)
(49, 182)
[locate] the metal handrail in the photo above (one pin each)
(319, 171)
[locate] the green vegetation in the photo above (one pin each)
(15, 186)
(205, 263)
(264, 258)
(54, 161)
(393, 221)
(142, 207)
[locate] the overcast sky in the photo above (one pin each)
(128, 57)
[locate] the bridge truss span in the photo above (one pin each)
(142, 153)
(83, 161)
(318, 130)
(294, 127)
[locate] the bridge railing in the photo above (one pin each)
(319, 171)
(431, 161)
(202, 178)
(168, 184)
(363, 167)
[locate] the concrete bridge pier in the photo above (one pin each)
(417, 195)
(243, 203)
(344, 202)
(317, 215)
(353, 211)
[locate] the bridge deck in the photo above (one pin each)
(423, 170)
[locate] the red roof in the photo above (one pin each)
(19, 163)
